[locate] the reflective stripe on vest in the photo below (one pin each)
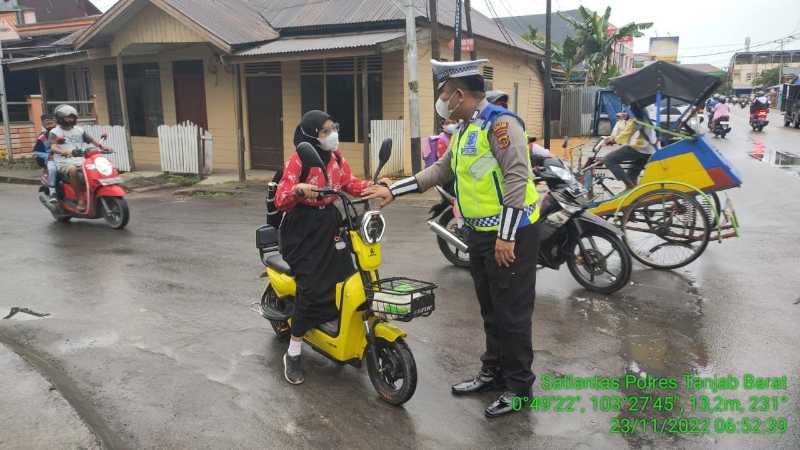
(479, 182)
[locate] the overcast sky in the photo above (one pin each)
(713, 29)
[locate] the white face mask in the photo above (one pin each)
(443, 107)
(450, 128)
(330, 143)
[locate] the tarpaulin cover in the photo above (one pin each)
(672, 80)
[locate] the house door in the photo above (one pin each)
(190, 92)
(264, 111)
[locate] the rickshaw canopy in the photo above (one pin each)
(671, 80)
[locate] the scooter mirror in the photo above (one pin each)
(310, 158)
(384, 154)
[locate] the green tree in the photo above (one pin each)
(595, 45)
(767, 78)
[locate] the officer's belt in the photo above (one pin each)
(493, 221)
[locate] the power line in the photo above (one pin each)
(773, 41)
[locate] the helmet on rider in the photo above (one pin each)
(499, 98)
(66, 115)
(723, 100)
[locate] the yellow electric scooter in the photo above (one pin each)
(365, 302)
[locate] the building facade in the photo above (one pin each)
(746, 67)
(169, 65)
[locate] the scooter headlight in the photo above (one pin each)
(103, 166)
(373, 226)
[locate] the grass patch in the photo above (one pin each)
(205, 194)
(26, 163)
(162, 179)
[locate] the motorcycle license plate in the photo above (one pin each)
(724, 124)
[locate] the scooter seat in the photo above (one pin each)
(277, 263)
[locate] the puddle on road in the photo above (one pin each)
(784, 160)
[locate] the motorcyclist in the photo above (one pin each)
(759, 102)
(41, 150)
(65, 138)
(310, 232)
(721, 110)
(711, 103)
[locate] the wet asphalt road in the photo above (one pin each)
(152, 339)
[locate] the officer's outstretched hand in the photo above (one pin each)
(504, 253)
(378, 191)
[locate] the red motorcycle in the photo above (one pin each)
(758, 119)
(104, 197)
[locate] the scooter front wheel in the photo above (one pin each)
(116, 212)
(392, 370)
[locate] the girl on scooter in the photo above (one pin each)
(310, 240)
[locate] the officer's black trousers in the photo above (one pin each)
(506, 296)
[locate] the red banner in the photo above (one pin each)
(467, 45)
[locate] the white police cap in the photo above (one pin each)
(445, 70)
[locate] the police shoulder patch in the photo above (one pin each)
(501, 138)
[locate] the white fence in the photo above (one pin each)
(185, 148)
(380, 130)
(116, 139)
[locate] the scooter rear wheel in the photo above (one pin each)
(392, 370)
(270, 299)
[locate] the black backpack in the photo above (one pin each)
(274, 215)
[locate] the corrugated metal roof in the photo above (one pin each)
(288, 14)
(233, 21)
(322, 42)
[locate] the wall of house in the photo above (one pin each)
(152, 25)
(219, 85)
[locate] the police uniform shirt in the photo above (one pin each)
(510, 149)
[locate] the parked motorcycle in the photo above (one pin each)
(722, 126)
(104, 196)
(366, 303)
(590, 246)
(758, 119)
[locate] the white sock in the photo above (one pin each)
(295, 347)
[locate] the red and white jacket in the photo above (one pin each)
(339, 174)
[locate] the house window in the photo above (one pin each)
(488, 77)
(143, 93)
(334, 85)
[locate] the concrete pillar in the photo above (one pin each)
(35, 111)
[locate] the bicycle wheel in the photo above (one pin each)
(666, 229)
(711, 206)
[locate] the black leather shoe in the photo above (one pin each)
(504, 404)
(485, 381)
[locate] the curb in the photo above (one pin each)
(16, 180)
(206, 190)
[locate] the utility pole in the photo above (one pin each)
(457, 39)
(468, 9)
(434, 16)
(547, 83)
(413, 86)
(4, 102)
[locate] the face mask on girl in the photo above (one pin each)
(330, 142)
(450, 128)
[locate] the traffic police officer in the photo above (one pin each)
(488, 159)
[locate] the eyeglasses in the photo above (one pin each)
(329, 130)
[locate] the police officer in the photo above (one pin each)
(489, 162)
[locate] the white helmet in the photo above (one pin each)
(64, 111)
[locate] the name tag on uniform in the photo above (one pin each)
(471, 148)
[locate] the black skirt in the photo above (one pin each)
(319, 258)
